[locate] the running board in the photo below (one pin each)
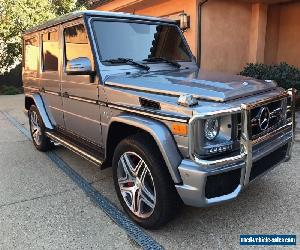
(74, 148)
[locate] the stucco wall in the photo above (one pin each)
(225, 35)
(283, 34)
(272, 34)
(289, 34)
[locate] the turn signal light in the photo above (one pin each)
(179, 129)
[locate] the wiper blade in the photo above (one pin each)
(162, 59)
(127, 60)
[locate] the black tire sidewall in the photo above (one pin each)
(164, 187)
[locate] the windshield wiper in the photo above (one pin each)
(127, 60)
(161, 59)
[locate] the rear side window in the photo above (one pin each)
(31, 56)
(76, 43)
(50, 51)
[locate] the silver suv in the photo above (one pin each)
(125, 91)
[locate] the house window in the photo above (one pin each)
(50, 51)
(76, 43)
(31, 54)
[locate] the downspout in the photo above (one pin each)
(201, 3)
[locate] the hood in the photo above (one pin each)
(201, 84)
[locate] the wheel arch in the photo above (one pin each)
(36, 99)
(159, 132)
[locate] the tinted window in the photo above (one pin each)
(76, 43)
(140, 41)
(31, 54)
(50, 51)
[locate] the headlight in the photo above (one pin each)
(214, 135)
(211, 128)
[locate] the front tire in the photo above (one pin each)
(142, 182)
(37, 130)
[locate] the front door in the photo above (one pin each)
(80, 92)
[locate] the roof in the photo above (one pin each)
(77, 14)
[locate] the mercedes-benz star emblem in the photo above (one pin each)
(263, 118)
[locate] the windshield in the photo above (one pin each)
(140, 41)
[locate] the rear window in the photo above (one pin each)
(50, 51)
(31, 51)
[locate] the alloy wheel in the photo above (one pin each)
(136, 184)
(36, 130)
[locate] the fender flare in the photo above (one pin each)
(41, 108)
(162, 137)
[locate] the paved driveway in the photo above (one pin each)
(41, 207)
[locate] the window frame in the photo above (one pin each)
(42, 64)
(68, 25)
(26, 38)
(126, 20)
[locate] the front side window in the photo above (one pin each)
(31, 54)
(76, 43)
(50, 51)
(140, 41)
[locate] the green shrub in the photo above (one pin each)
(9, 90)
(285, 75)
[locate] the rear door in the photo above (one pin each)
(80, 92)
(50, 74)
(31, 52)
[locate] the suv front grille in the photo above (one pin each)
(266, 118)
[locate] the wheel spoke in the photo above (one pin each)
(136, 184)
(148, 197)
(138, 167)
(127, 166)
(143, 174)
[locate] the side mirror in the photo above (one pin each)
(79, 66)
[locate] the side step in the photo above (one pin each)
(80, 150)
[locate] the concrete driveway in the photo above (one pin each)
(42, 207)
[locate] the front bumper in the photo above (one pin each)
(211, 182)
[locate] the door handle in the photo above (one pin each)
(66, 94)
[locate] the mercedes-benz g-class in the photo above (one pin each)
(125, 91)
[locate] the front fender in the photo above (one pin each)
(162, 137)
(38, 101)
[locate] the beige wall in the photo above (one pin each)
(225, 35)
(289, 35)
(272, 34)
(283, 34)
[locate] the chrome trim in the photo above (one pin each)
(74, 149)
(271, 134)
(209, 163)
(52, 93)
(246, 142)
(31, 88)
(83, 99)
(149, 113)
(265, 101)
